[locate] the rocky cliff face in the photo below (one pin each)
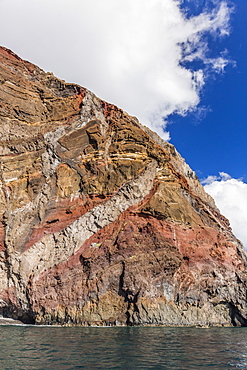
(102, 222)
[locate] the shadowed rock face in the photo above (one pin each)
(102, 222)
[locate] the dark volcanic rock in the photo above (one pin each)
(102, 222)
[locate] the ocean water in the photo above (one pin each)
(30, 347)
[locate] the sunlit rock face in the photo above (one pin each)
(102, 222)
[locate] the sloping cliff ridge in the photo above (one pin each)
(101, 221)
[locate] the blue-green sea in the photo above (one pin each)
(30, 347)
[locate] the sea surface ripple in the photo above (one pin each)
(67, 348)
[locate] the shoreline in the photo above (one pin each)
(9, 321)
(14, 322)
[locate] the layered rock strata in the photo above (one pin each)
(101, 221)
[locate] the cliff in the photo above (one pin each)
(102, 222)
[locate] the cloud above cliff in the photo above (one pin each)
(231, 198)
(134, 54)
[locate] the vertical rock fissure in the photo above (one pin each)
(236, 317)
(129, 297)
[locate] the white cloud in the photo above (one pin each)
(231, 198)
(130, 52)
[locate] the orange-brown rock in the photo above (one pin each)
(101, 221)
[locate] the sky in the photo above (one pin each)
(180, 67)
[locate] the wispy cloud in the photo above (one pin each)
(231, 198)
(131, 53)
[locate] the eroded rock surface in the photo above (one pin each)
(102, 222)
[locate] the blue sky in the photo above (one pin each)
(154, 58)
(217, 141)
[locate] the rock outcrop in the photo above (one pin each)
(101, 221)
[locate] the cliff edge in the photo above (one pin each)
(101, 221)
